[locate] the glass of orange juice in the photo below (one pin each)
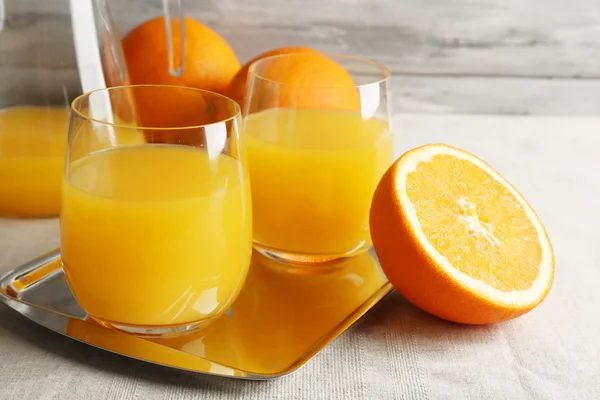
(318, 138)
(156, 238)
(45, 62)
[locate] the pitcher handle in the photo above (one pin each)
(2, 15)
(174, 7)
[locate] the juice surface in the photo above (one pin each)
(313, 174)
(155, 235)
(32, 151)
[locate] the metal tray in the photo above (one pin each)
(282, 317)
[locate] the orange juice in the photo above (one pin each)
(155, 235)
(313, 174)
(32, 151)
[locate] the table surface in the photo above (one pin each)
(460, 66)
(396, 351)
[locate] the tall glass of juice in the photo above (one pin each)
(156, 238)
(318, 136)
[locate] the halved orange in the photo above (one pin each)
(457, 240)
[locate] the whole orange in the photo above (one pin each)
(177, 115)
(209, 61)
(309, 80)
(237, 86)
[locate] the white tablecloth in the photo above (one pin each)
(396, 351)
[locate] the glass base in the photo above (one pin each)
(308, 260)
(157, 331)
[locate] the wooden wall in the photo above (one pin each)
(447, 56)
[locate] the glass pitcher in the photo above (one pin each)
(50, 52)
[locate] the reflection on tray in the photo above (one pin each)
(123, 343)
(280, 315)
(279, 321)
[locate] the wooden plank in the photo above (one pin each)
(496, 95)
(410, 94)
(548, 38)
(431, 76)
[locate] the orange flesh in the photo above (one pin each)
(475, 222)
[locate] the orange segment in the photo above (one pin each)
(456, 239)
(480, 227)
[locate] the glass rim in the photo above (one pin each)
(386, 73)
(73, 107)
